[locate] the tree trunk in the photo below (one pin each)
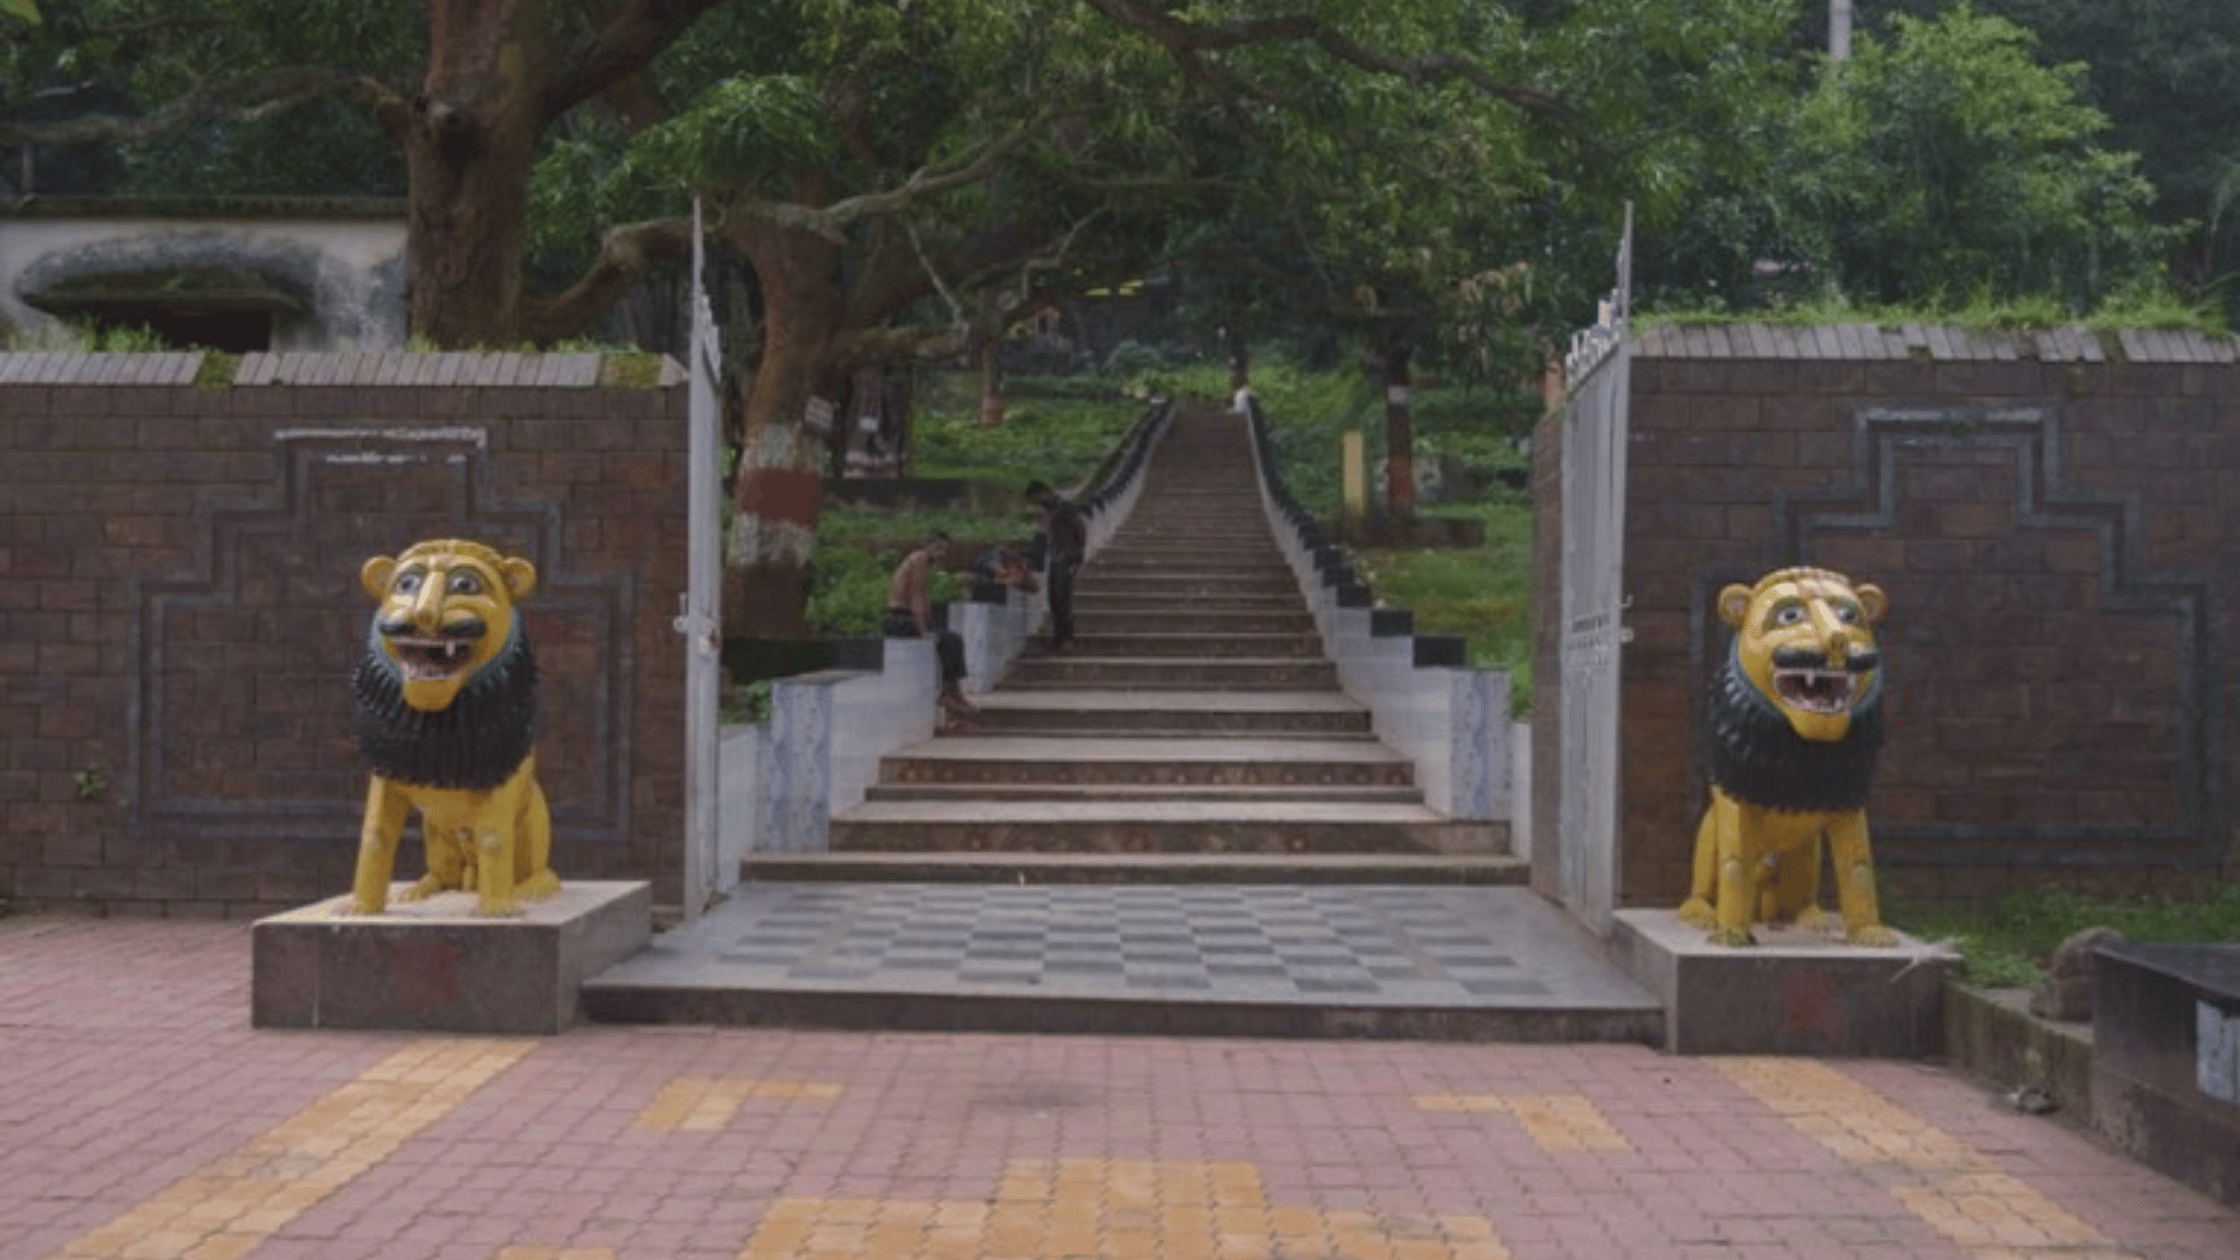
(468, 147)
(991, 385)
(778, 492)
(1399, 436)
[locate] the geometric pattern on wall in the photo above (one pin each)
(1985, 491)
(242, 716)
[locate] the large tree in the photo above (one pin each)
(873, 162)
(1945, 159)
(2166, 73)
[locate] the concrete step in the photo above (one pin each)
(1166, 714)
(1147, 599)
(1225, 556)
(1269, 827)
(1190, 620)
(1120, 760)
(1123, 793)
(1495, 869)
(1178, 589)
(1042, 671)
(1103, 639)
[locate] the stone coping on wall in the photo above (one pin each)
(1934, 342)
(346, 370)
(204, 208)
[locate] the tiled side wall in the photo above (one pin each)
(2057, 541)
(180, 612)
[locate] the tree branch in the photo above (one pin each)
(832, 221)
(625, 45)
(1188, 41)
(244, 101)
(626, 253)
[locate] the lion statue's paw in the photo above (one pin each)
(1696, 912)
(426, 887)
(1735, 937)
(1873, 934)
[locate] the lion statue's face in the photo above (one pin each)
(447, 611)
(1805, 639)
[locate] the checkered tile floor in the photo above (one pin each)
(1376, 945)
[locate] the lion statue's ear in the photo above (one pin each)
(1872, 602)
(375, 575)
(520, 576)
(1734, 605)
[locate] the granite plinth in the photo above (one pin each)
(1794, 992)
(2166, 1059)
(436, 966)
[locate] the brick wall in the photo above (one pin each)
(2054, 519)
(180, 609)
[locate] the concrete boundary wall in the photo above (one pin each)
(180, 612)
(2053, 517)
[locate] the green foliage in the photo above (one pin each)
(747, 704)
(1058, 440)
(2006, 941)
(1132, 359)
(2147, 305)
(848, 590)
(92, 339)
(1948, 162)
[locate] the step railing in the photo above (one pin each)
(1425, 700)
(828, 731)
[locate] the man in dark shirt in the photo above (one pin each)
(1066, 534)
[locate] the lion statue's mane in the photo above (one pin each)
(476, 742)
(1755, 754)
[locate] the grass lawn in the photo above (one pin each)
(2005, 941)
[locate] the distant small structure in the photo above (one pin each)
(232, 274)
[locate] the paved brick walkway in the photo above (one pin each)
(140, 1116)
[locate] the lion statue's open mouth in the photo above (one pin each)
(1817, 689)
(434, 660)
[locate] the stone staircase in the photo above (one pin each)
(1195, 731)
(1182, 827)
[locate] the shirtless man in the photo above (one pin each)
(910, 614)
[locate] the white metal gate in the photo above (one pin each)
(1597, 380)
(700, 620)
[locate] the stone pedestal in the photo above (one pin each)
(2166, 1059)
(437, 966)
(1795, 992)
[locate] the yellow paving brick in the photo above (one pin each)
(1989, 1214)
(705, 1104)
(1050, 1211)
(243, 1197)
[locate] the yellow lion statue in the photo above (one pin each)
(1795, 725)
(447, 717)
